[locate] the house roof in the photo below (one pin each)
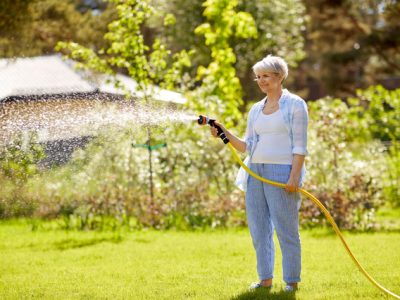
(39, 76)
(52, 75)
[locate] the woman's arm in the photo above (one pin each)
(300, 124)
(299, 128)
(237, 143)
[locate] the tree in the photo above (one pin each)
(31, 27)
(280, 26)
(351, 44)
(220, 85)
(126, 49)
(12, 14)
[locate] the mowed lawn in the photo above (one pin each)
(56, 264)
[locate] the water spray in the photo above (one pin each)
(203, 120)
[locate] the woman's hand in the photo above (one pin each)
(294, 178)
(236, 142)
(292, 185)
(214, 131)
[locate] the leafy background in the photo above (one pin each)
(205, 50)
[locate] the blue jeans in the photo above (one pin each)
(270, 208)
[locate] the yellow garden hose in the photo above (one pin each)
(327, 215)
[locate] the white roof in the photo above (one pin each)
(49, 75)
(39, 76)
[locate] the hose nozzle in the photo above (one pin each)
(204, 120)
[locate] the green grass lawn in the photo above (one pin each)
(56, 264)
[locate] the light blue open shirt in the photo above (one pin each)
(295, 115)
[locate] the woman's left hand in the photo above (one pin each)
(292, 185)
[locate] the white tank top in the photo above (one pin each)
(273, 146)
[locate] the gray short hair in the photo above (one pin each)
(273, 64)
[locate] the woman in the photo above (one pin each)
(276, 140)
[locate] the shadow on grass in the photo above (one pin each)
(265, 294)
(80, 243)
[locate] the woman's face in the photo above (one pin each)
(268, 81)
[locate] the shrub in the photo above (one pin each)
(392, 176)
(18, 163)
(345, 166)
(192, 181)
(379, 110)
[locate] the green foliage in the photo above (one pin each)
(179, 201)
(346, 165)
(379, 109)
(18, 160)
(111, 179)
(29, 28)
(106, 185)
(128, 51)
(18, 163)
(221, 87)
(281, 27)
(109, 182)
(352, 44)
(13, 13)
(280, 30)
(392, 176)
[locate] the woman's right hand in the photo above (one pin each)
(237, 143)
(214, 131)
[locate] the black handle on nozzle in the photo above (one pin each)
(203, 120)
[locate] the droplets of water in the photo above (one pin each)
(63, 125)
(60, 119)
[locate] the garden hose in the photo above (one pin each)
(204, 120)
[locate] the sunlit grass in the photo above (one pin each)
(55, 264)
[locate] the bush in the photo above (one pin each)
(192, 178)
(345, 166)
(392, 176)
(379, 110)
(18, 160)
(18, 163)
